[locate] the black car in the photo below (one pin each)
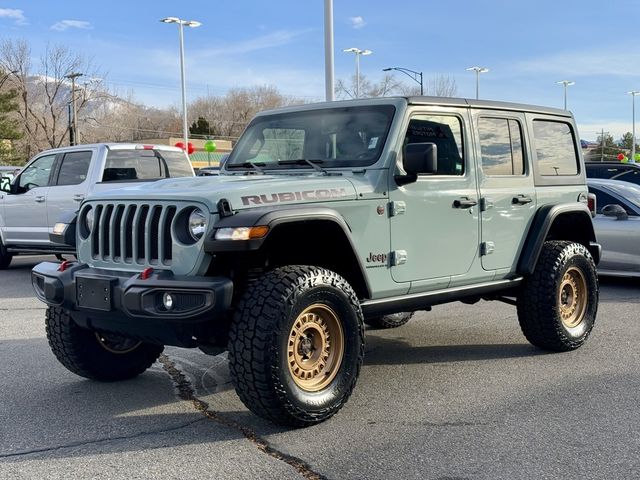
(627, 172)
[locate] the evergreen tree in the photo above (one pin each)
(9, 130)
(200, 127)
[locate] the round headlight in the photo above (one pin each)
(197, 224)
(88, 219)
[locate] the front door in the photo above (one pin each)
(508, 196)
(434, 221)
(26, 210)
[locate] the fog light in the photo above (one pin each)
(167, 301)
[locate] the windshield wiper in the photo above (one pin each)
(249, 164)
(302, 161)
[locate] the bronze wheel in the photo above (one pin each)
(558, 302)
(315, 348)
(117, 344)
(572, 297)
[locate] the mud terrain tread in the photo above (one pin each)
(535, 305)
(251, 344)
(79, 351)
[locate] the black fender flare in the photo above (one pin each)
(273, 218)
(541, 225)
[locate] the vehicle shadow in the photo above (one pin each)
(396, 351)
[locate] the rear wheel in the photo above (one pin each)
(97, 355)
(558, 304)
(5, 257)
(296, 345)
(393, 320)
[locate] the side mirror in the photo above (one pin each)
(418, 158)
(614, 210)
(5, 184)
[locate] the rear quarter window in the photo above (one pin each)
(555, 148)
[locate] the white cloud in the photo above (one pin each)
(14, 14)
(63, 25)
(357, 22)
(275, 39)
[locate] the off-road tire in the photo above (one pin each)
(393, 320)
(81, 351)
(539, 303)
(5, 257)
(260, 336)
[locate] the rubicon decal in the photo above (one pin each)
(321, 194)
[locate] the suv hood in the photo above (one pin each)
(242, 191)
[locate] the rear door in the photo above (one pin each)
(70, 184)
(508, 197)
(25, 212)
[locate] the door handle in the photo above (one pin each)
(78, 198)
(521, 200)
(39, 199)
(464, 202)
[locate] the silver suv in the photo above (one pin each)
(55, 182)
(326, 217)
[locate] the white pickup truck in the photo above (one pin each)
(55, 182)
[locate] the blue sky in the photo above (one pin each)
(527, 46)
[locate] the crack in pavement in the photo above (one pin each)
(99, 440)
(187, 393)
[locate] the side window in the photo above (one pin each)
(603, 199)
(446, 133)
(501, 146)
(37, 174)
(74, 168)
(555, 148)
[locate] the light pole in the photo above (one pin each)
(478, 71)
(415, 76)
(73, 128)
(328, 51)
(633, 94)
(181, 24)
(357, 52)
(566, 83)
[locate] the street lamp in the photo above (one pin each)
(633, 94)
(415, 76)
(357, 52)
(565, 83)
(73, 128)
(478, 71)
(181, 24)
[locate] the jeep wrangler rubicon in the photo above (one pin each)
(326, 217)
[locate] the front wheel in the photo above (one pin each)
(5, 257)
(558, 303)
(296, 345)
(96, 355)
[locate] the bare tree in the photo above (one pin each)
(438, 86)
(388, 85)
(229, 115)
(45, 94)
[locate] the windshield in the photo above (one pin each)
(124, 165)
(336, 137)
(628, 191)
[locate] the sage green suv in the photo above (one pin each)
(324, 218)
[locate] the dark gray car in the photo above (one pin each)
(617, 225)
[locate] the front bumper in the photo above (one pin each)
(131, 305)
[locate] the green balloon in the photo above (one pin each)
(637, 157)
(210, 146)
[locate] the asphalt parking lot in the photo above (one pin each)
(457, 393)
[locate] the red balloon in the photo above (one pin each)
(621, 156)
(180, 145)
(190, 148)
